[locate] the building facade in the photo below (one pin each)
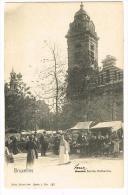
(99, 92)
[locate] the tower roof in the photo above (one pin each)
(82, 23)
(81, 11)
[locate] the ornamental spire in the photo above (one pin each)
(12, 70)
(81, 5)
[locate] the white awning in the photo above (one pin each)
(26, 133)
(113, 125)
(82, 125)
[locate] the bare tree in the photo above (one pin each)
(51, 78)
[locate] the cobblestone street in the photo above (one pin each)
(80, 173)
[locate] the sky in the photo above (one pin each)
(27, 25)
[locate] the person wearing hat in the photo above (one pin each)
(43, 145)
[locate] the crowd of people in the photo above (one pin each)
(98, 145)
(33, 145)
(84, 144)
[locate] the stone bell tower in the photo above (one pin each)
(82, 41)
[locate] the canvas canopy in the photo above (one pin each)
(113, 125)
(39, 131)
(82, 125)
(26, 133)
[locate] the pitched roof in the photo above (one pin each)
(114, 125)
(82, 125)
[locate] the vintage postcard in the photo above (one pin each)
(64, 95)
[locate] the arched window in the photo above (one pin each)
(102, 79)
(92, 26)
(115, 75)
(119, 76)
(92, 47)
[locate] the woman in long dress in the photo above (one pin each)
(116, 148)
(8, 156)
(63, 151)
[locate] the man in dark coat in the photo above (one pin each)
(44, 145)
(56, 144)
(31, 151)
(14, 145)
(79, 142)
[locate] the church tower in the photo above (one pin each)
(94, 94)
(12, 81)
(82, 41)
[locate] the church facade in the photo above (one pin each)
(99, 92)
